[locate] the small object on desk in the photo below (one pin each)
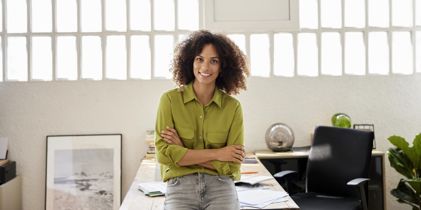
(153, 189)
(252, 179)
(250, 160)
(249, 172)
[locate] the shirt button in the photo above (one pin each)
(200, 116)
(200, 137)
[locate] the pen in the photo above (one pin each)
(249, 172)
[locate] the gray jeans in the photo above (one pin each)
(201, 192)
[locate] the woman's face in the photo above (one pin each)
(206, 65)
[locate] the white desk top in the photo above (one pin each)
(267, 154)
(136, 200)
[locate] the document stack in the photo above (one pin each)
(260, 198)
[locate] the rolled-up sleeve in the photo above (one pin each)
(235, 137)
(167, 154)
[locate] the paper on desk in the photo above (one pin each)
(260, 198)
(3, 148)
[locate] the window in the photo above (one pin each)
(134, 39)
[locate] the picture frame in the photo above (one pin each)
(83, 171)
(365, 127)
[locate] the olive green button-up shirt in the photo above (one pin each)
(211, 126)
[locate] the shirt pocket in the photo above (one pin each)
(217, 140)
(186, 135)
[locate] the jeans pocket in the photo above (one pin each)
(173, 182)
(224, 179)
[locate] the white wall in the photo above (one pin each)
(31, 111)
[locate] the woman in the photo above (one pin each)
(200, 127)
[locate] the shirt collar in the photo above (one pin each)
(188, 94)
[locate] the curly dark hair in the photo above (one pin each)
(234, 68)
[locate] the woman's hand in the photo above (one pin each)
(170, 136)
(231, 153)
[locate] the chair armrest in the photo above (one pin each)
(283, 174)
(360, 183)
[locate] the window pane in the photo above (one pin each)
(331, 54)
(1, 61)
(355, 13)
(42, 59)
(188, 14)
(66, 58)
(283, 63)
(378, 53)
(140, 15)
(354, 53)
(1, 16)
(41, 16)
(91, 16)
(116, 59)
(91, 58)
(418, 12)
(418, 51)
(66, 16)
(115, 15)
(239, 40)
(378, 13)
(402, 12)
(308, 14)
(163, 15)
(17, 59)
(140, 63)
(259, 54)
(16, 16)
(307, 55)
(402, 53)
(163, 55)
(330, 13)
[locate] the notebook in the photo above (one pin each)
(153, 189)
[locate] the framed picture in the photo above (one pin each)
(366, 127)
(83, 172)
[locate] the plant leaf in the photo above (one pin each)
(402, 144)
(417, 149)
(400, 162)
(405, 193)
(416, 185)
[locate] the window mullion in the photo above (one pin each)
(318, 38)
(390, 38)
(4, 39)
(103, 40)
(54, 40)
(342, 37)
(152, 39)
(79, 42)
(128, 41)
(29, 38)
(271, 54)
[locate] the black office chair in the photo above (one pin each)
(337, 170)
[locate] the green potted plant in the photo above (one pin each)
(407, 161)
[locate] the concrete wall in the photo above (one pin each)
(32, 110)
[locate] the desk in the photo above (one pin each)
(297, 161)
(136, 200)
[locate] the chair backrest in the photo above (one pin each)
(337, 156)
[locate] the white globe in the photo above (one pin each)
(279, 137)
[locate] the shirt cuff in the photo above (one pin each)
(176, 153)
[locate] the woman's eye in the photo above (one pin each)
(214, 61)
(199, 59)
